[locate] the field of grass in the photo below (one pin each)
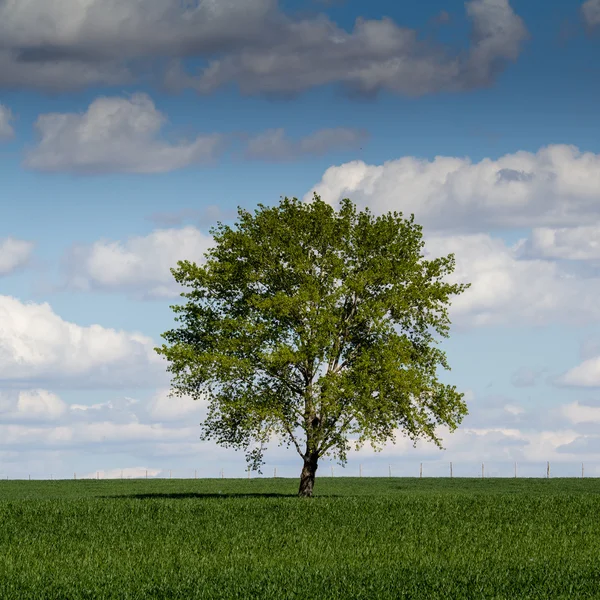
(359, 538)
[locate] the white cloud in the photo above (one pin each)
(511, 291)
(39, 419)
(6, 130)
(497, 431)
(67, 44)
(469, 446)
(118, 410)
(580, 413)
(42, 405)
(140, 266)
(569, 243)
(273, 145)
(586, 374)
(506, 288)
(114, 135)
(36, 346)
(591, 12)
(178, 408)
(14, 254)
(555, 187)
(35, 404)
(91, 434)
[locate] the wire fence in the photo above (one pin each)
(451, 473)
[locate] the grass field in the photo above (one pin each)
(357, 538)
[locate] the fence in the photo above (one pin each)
(360, 473)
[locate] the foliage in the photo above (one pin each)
(304, 319)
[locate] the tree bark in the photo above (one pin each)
(307, 478)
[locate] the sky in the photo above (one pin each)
(129, 128)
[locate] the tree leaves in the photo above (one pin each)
(314, 325)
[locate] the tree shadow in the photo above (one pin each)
(184, 495)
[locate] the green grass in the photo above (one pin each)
(357, 538)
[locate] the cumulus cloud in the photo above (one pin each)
(177, 408)
(69, 44)
(505, 287)
(494, 444)
(591, 13)
(30, 405)
(90, 435)
(586, 374)
(376, 55)
(40, 419)
(497, 429)
(566, 243)
(140, 266)
(575, 412)
(14, 254)
(512, 291)
(6, 130)
(58, 76)
(114, 135)
(557, 186)
(37, 346)
(274, 145)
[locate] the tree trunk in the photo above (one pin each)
(307, 478)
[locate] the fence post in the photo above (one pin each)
(275, 473)
(548, 470)
(222, 473)
(121, 473)
(248, 472)
(332, 471)
(170, 473)
(360, 470)
(481, 470)
(97, 474)
(450, 470)
(421, 471)
(195, 474)
(515, 470)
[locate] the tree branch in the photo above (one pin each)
(324, 447)
(348, 358)
(290, 385)
(288, 429)
(333, 367)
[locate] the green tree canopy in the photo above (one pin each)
(314, 325)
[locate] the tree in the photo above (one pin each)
(313, 326)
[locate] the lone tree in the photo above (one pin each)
(314, 325)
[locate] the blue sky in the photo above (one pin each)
(126, 133)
